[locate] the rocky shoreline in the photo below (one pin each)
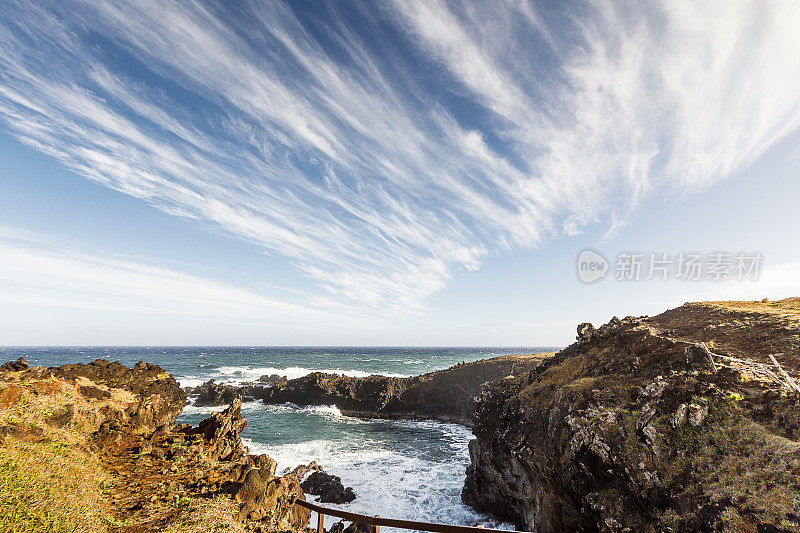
(628, 429)
(446, 395)
(165, 475)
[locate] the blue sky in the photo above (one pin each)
(413, 173)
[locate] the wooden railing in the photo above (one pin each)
(771, 372)
(377, 521)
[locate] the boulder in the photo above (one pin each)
(271, 499)
(251, 492)
(329, 488)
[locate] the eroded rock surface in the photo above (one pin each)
(221, 433)
(166, 476)
(628, 429)
(144, 396)
(216, 394)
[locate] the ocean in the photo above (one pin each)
(399, 469)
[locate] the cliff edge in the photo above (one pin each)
(632, 429)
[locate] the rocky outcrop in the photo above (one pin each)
(221, 434)
(271, 499)
(144, 396)
(329, 488)
(14, 366)
(446, 395)
(212, 393)
(629, 429)
(165, 476)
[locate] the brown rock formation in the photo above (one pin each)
(119, 421)
(145, 396)
(629, 430)
(221, 433)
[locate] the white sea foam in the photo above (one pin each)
(241, 374)
(389, 482)
(190, 381)
(191, 409)
(322, 409)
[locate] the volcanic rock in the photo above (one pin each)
(622, 431)
(445, 395)
(329, 488)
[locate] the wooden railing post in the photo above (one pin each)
(376, 522)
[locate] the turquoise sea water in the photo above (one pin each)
(399, 469)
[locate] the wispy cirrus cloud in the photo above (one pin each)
(315, 138)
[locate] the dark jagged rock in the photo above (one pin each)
(212, 393)
(270, 379)
(629, 430)
(221, 432)
(585, 332)
(14, 366)
(300, 471)
(329, 488)
(446, 395)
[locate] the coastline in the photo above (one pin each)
(629, 427)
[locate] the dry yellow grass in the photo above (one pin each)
(789, 307)
(49, 479)
(206, 516)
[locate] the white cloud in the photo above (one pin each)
(358, 172)
(36, 272)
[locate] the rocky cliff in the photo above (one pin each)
(446, 395)
(94, 447)
(631, 429)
